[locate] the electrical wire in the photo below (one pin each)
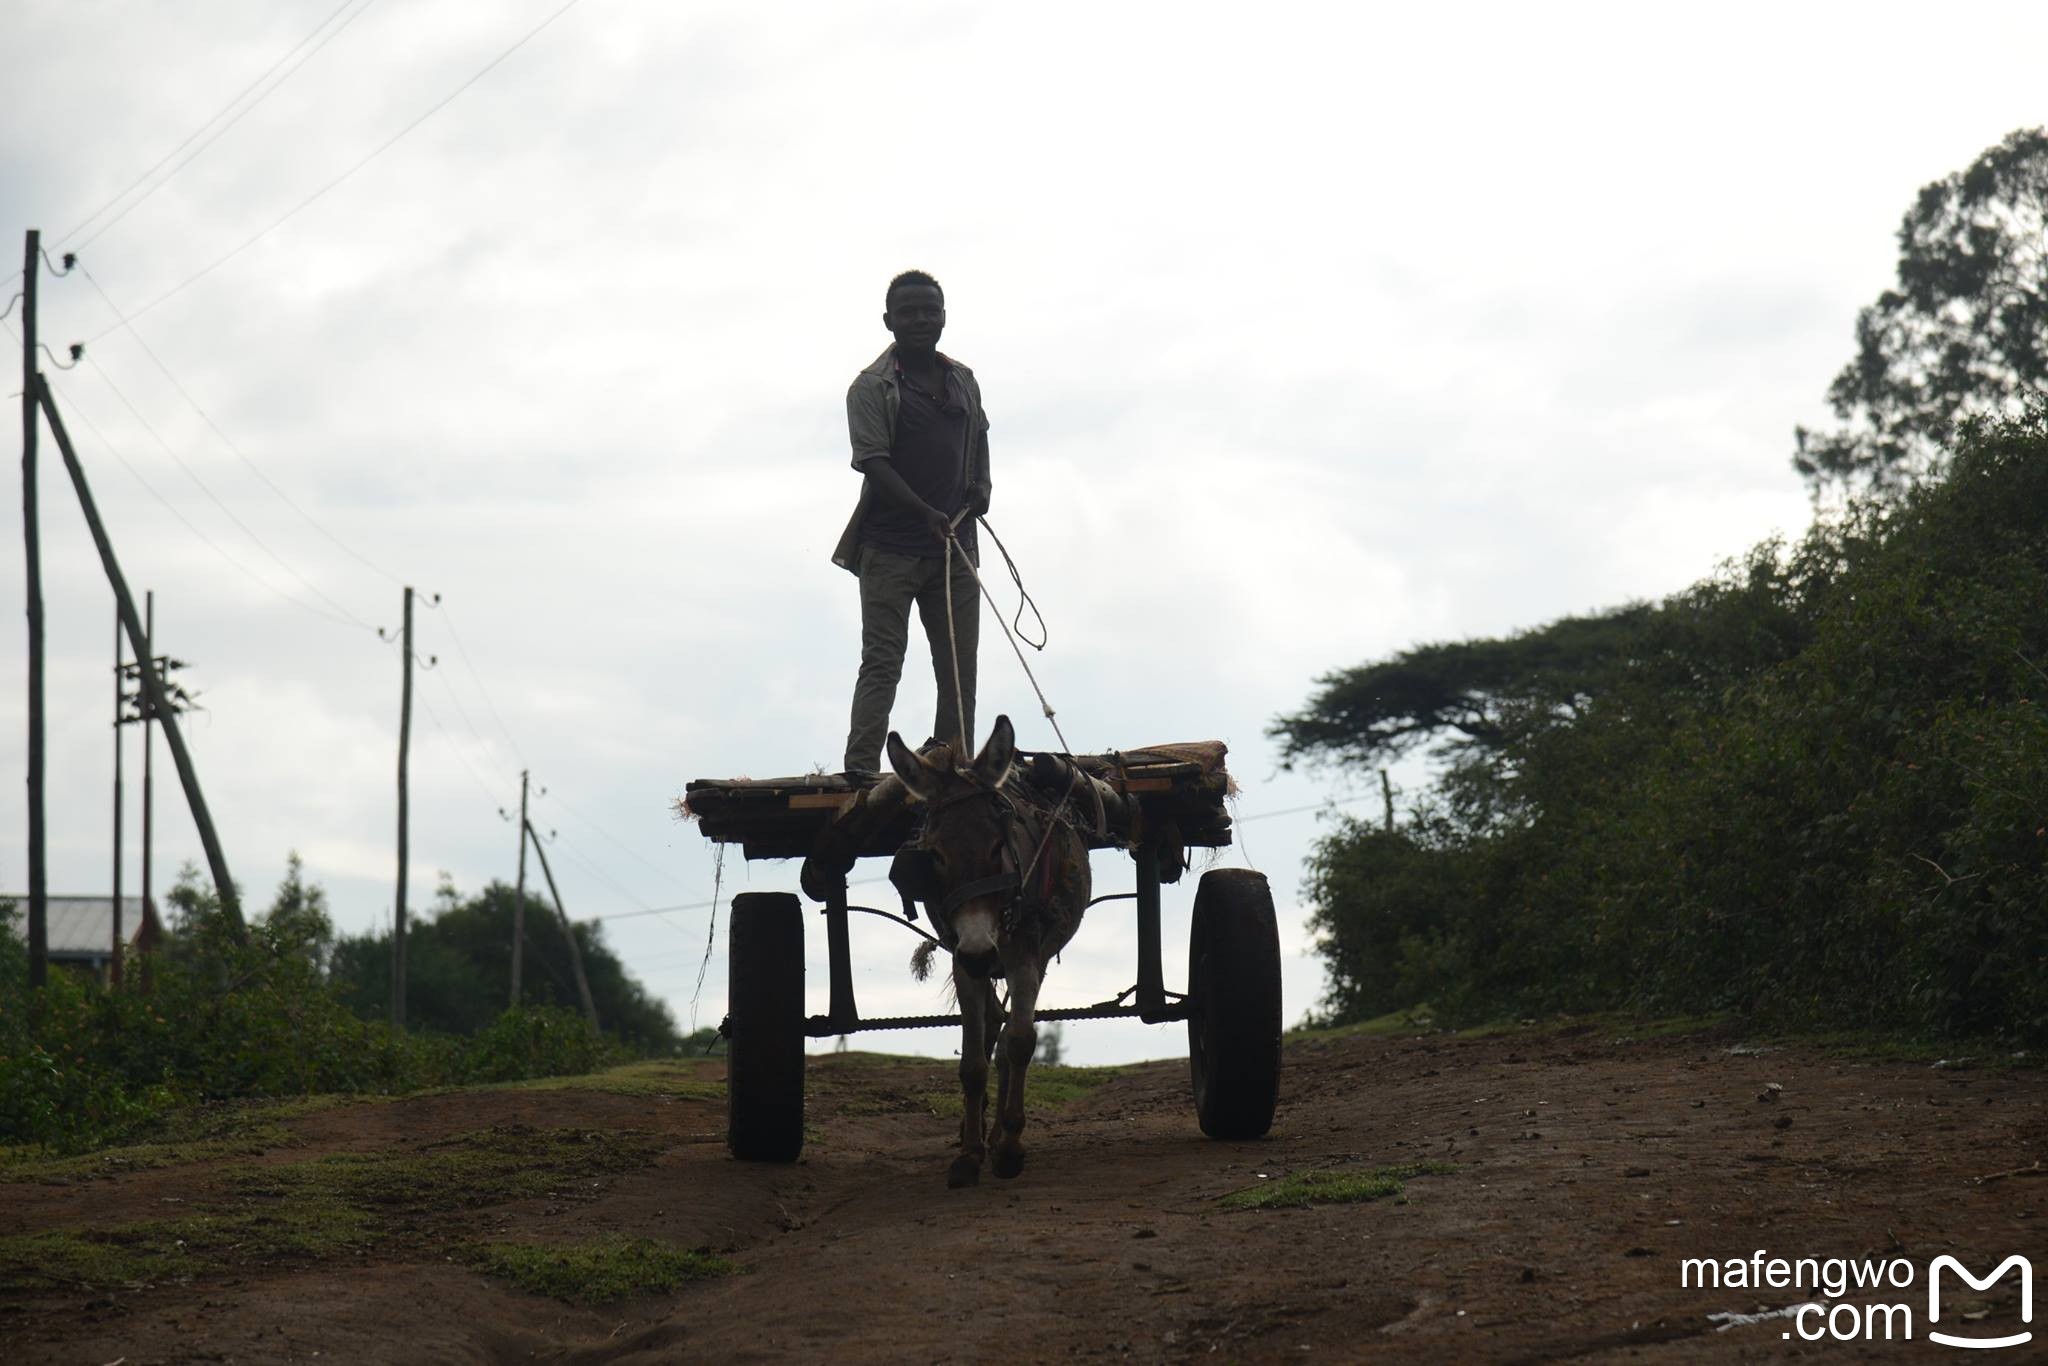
(239, 96)
(84, 416)
(226, 440)
(376, 152)
(456, 750)
(462, 652)
(463, 712)
(346, 617)
(618, 843)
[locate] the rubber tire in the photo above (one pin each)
(764, 1061)
(1234, 1004)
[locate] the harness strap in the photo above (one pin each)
(966, 892)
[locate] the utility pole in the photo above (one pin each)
(31, 535)
(120, 697)
(519, 894)
(568, 931)
(148, 661)
(404, 745)
(152, 684)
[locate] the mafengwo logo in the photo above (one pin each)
(2026, 1270)
(1850, 1319)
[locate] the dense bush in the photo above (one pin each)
(1813, 789)
(220, 1018)
(459, 967)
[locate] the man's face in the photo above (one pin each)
(916, 315)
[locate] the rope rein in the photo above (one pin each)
(953, 639)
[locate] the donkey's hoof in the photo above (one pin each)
(965, 1171)
(1007, 1162)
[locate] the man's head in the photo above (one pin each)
(914, 310)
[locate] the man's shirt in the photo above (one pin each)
(929, 452)
(873, 402)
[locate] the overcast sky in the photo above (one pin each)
(1307, 333)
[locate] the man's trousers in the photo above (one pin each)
(889, 584)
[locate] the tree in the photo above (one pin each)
(1471, 694)
(1964, 334)
(297, 922)
(458, 963)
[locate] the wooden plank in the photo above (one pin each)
(815, 801)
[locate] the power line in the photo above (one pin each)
(462, 652)
(378, 151)
(346, 618)
(1329, 805)
(616, 842)
(707, 905)
(215, 118)
(225, 440)
(460, 711)
(456, 749)
(172, 508)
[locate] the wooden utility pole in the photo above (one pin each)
(152, 682)
(568, 931)
(120, 696)
(147, 664)
(519, 894)
(404, 746)
(31, 535)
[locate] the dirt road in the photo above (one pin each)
(1568, 1173)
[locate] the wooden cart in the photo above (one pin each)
(1157, 803)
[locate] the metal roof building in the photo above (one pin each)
(81, 928)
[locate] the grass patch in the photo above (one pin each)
(859, 1059)
(486, 1167)
(177, 1249)
(1046, 1086)
(323, 1206)
(659, 1080)
(600, 1271)
(1333, 1186)
(1394, 1024)
(201, 1133)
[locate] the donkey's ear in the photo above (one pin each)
(992, 765)
(912, 769)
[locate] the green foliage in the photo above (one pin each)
(1480, 693)
(1965, 333)
(601, 1271)
(1333, 1186)
(1808, 791)
(224, 1016)
(459, 965)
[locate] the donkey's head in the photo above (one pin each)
(971, 833)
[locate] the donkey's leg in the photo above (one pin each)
(1019, 1041)
(973, 995)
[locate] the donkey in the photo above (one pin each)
(1007, 883)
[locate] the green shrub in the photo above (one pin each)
(1810, 790)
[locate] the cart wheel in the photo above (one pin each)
(1234, 1004)
(764, 1064)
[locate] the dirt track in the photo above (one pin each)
(1585, 1169)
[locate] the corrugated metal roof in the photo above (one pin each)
(81, 926)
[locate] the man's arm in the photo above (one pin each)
(979, 485)
(883, 478)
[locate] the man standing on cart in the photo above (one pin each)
(920, 441)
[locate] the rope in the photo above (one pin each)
(953, 641)
(962, 756)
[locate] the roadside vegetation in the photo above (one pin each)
(1809, 792)
(207, 1021)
